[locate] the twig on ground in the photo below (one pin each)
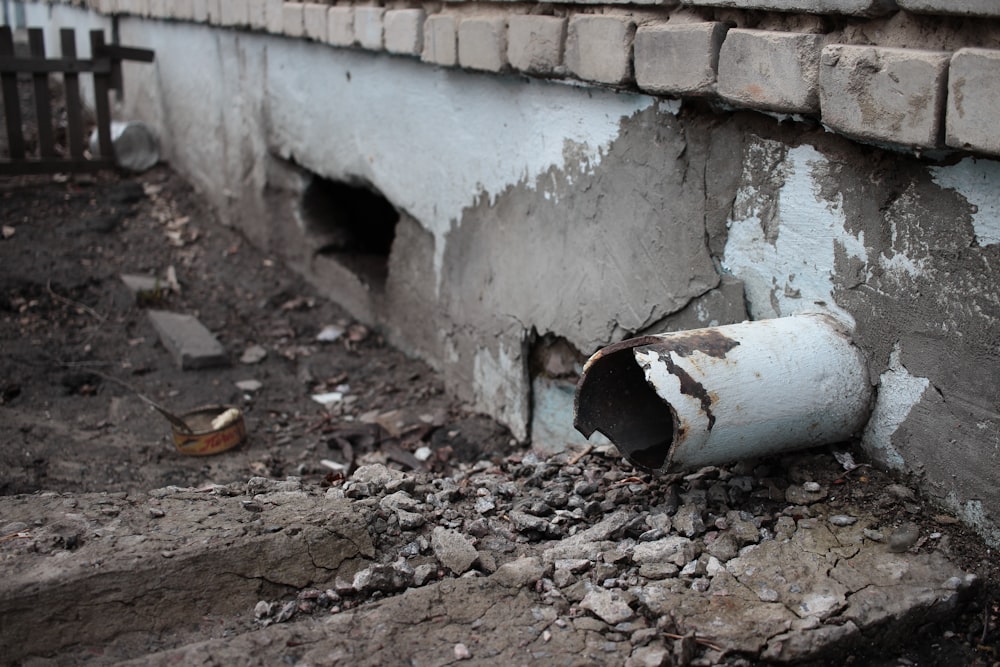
(698, 640)
(76, 304)
(579, 455)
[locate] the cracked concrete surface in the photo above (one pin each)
(172, 578)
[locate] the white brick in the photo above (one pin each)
(158, 9)
(314, 21)
(257, 14)
(960, 7)
(678, 59)
(234, 13)
(404, 31)
(535, 44)
(138, 8)
(777, 71)
(368, 25)
(599, 48)
(292, 21)
(275, 15)
(884, 94)
(482, 43)
(974, 101)
(199, 10)
(213, 9)
(440, 40)
(181, 10)
(340, 26)
(848, 7)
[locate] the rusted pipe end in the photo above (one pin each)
(613, 397)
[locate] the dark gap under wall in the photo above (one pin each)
(354, 225)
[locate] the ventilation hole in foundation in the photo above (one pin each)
(351, 224)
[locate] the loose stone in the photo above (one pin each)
(842, 520)
(453, 550)
(607, 606)
(904, 537)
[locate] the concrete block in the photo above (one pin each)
(209, 556)
(884, 94)
(847, 7)
(678, 59)
(535, 44)
(235, 13)
(404, 31)
(959, 7)
(340, 26)
(293, 19)
(144, 289)
(973, 100)
(482, 43)
(777, 71)
(274, 14)
(440, 40)
(368, 25)
(187, 340)
(257, 14)
(314, 21)
(599, 48)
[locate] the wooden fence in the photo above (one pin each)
(105, 66)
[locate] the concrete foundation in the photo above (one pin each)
(529, 209)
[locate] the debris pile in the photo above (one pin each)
(753, 561)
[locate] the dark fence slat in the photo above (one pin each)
(52, 166)
(74, 108)
(11, 98)
(43, 102)
(125, 53)
(102, 84)
(80, 66)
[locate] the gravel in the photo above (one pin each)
(591, 536)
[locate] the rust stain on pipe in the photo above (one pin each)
(689, 385)
(709, 342)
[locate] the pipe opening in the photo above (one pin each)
(708, 396)
(351, 224)
(614, 398)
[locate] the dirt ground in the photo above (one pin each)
(72, 333)
(70, 328)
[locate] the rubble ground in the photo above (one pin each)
(389, 524)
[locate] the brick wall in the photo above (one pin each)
(914, 74)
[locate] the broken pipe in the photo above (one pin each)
(709, 396)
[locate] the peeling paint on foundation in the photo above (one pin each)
(447, 153)
(784, 233)
(976, 181)
(498, 385)
(898, 392)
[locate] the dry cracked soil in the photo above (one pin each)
(392, 525)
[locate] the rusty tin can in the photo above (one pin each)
(205, 440)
